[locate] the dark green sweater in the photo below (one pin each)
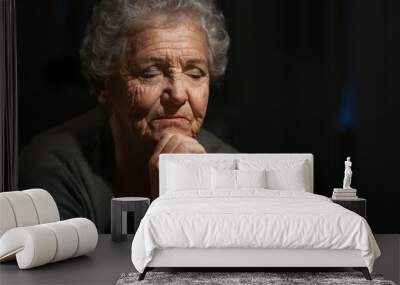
(75, 162)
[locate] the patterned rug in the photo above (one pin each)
(269, 278)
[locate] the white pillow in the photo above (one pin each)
(281, 174)
(223, 179)
(251, 178)
(181, 177)
(290, 179)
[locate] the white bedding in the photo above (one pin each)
(250, 218)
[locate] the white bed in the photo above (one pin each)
(201, 220)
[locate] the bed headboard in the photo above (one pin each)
(218, 158)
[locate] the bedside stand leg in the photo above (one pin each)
(142, 275)
(364, 271)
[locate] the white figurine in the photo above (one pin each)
(347, 174)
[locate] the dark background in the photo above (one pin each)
(309, 76)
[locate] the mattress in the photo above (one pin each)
(250, 218)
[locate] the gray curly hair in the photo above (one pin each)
(108, 34)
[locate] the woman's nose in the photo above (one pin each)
(175, 91)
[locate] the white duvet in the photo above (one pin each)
(250, 218)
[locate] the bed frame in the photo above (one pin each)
(244, 259)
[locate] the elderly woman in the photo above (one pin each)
(149, 64)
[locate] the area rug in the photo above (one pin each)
(268, 278)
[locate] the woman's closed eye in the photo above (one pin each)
(195, 72)
(150, 72)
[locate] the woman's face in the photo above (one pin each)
(166, 86)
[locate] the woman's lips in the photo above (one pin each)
(172, 121)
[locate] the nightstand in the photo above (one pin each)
(358, 205)
(119, 215)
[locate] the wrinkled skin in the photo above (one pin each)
(166, 75)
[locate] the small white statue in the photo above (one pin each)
(347, 174)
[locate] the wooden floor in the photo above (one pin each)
(389, 262)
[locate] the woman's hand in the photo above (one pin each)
(170, 143)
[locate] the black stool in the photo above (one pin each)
(119, 209)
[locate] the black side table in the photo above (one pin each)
(358, 205)
(119, 209)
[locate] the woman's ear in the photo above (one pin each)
(104, 96)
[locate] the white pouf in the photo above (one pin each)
(45, 205)
(40, 244)
(7, 220)
(23, 208)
